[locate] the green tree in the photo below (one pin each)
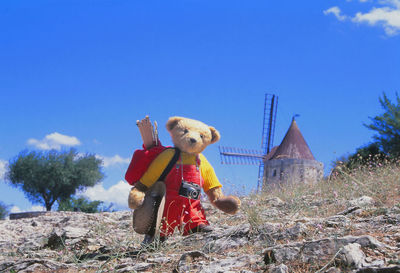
(80, 204)
(387, 126)
(49, 176)
(3, 210)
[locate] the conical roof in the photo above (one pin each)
(293, 145)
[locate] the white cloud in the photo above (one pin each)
(54, 141)
(37, 208)
(16, 209)
(114, 160)
(336, 12)
(116, 194)
(386, 16)
(3, 168)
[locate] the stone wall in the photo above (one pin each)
(289, 171)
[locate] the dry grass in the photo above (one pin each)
(379, 181)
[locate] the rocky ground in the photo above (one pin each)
(266, 236)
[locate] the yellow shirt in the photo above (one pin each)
(161, 161)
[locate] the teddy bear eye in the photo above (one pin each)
(185, 131)
(201, 136)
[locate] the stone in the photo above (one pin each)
(389, 269)
(352, 256)
(232, 237)
(350, 210)
(363, 201)
(282, 268)
(75, 232)
(333, 270)
(364, 241)
(275, 202)
(127, 268)
(56, 240)
(185, 263)
(229, 264)
(337, 221)
(6, 265)
(312, 251)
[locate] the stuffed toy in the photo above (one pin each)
(184, 172)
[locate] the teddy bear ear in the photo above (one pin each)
(172, 122)
(215, 136)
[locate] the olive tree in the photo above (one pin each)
(46, 177)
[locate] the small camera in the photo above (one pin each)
(189, 190)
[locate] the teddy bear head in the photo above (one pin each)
(191, 136)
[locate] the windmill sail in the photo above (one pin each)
(240, 156)
(270, 108)
(267, 138)
(231, 155)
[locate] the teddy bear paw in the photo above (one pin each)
(228, 204)
(135, 198)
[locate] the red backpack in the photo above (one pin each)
(142, 159)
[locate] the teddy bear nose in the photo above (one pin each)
(193, 140)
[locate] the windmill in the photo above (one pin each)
(231, 155)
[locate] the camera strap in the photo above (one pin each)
(171, 163)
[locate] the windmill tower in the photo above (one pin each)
(292, 161)
(231, 155)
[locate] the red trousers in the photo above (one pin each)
(179, 211)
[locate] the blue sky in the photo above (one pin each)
(80, 73)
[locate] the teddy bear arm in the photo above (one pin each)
(213, 194)
(228, 204)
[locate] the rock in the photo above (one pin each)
(333, 270)
(337, 221)
(280, 254)
(56, 240)
(6, 265)
(364, 241)
(34, 265)
(275, 202)
(350, 210)
(233, 237)
(75, 232)
(363, 201)
(229, 264)
(390, 269)
(159, 260)
(185, 263)
(313, 251)
(294, 232)
(352, 256)
(138, 267)
(282, 268)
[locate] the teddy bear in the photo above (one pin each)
(191, 173)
